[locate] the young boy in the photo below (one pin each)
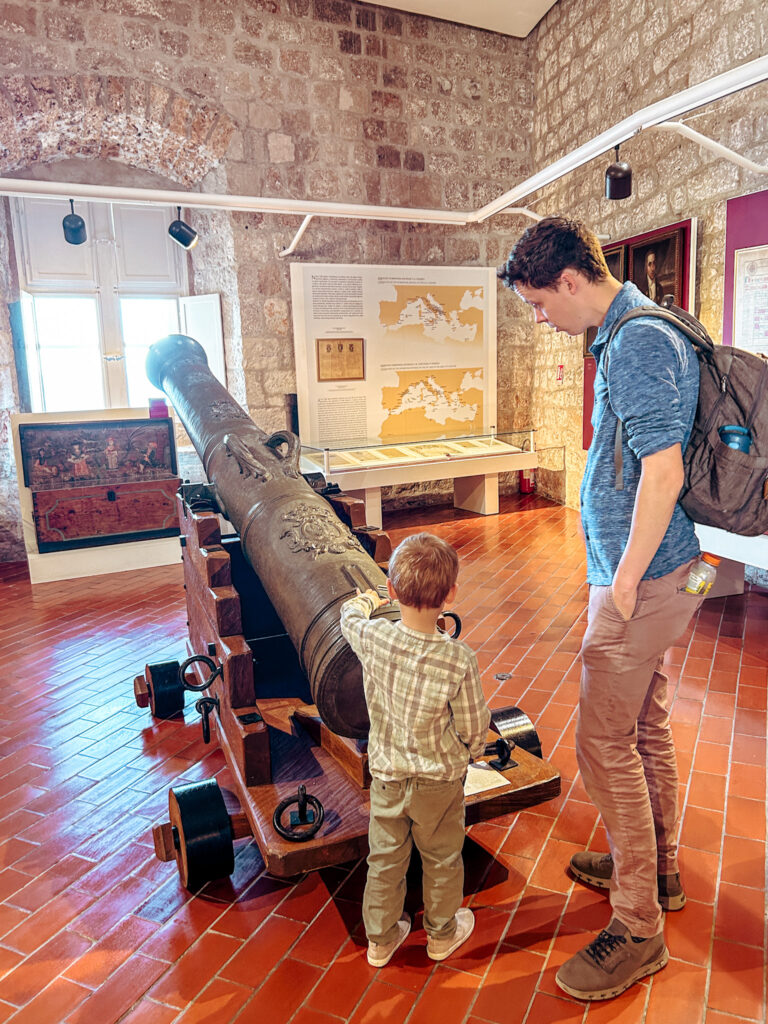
(428, 717)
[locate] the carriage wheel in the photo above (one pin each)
(166, 690)
(202, 833)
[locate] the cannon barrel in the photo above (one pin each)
(307, 560)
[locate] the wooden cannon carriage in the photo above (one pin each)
(268, 666)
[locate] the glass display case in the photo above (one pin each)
(473, 462)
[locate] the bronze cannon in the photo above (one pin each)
(285, 690)
(307, 559)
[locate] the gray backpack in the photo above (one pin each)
(724, 486)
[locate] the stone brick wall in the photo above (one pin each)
(328, 99)
(10, 511)
(339, 100)
(596, 64)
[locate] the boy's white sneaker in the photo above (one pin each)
(380, 955)
(439, 949)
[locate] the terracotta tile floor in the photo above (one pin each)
(93, 929)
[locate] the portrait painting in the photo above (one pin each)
(656, 265)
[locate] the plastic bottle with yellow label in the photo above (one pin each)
(702, 575)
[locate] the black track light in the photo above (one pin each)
(618, 179)
(182, 233)
(74, 226)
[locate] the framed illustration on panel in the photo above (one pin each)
(340, 358)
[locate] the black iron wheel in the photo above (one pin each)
(202, 833)
(166, 691)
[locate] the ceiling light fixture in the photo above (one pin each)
(182, 233)
(74, 226)
(618, 179)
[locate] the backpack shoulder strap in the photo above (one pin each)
(692, 328)
(685, 322)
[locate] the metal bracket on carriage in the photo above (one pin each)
(216, 673)
(304, 822)
(443, 626)
(205, 705)
(502, 748)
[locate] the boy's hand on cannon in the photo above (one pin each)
(376, 599)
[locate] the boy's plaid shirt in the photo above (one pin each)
(425, 700)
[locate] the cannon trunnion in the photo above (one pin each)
(270, 672)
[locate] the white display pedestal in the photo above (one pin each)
(96, 561)
(472, 463)
(477, 493)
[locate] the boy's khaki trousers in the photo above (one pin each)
(429, 813)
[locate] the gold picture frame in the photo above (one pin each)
(340, 359)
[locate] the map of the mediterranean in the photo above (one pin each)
(442, 313)
(433, 403)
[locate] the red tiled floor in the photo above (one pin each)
(94, 930)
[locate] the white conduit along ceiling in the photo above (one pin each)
(652, 116)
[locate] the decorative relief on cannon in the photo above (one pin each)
(317, 531)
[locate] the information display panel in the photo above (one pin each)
(385, 354)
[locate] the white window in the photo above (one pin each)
(143, 321)
(90, 312)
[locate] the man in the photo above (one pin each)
(640, 545)
(652, 288)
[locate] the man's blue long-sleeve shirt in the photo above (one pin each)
(652, 385)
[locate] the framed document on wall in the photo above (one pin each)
(745, 305)
(340, 358)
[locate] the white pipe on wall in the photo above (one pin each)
(714, 147)
(212, 201)
(649, 117)
(696, 96)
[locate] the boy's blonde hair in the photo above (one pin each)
(423, 569)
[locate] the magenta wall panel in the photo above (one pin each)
(746, 224)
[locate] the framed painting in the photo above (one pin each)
(656, 265)
(665, 255)
(616, 258)
(63, 455)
